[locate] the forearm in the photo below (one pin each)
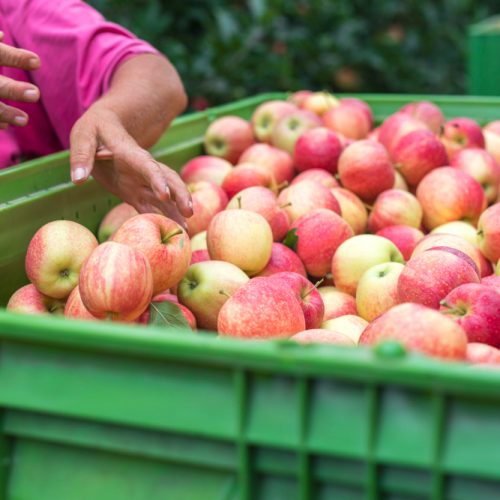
(146, 94)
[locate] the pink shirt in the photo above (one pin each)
(79, 51)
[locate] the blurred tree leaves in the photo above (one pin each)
(225, 50)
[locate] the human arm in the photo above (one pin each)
(144, 96)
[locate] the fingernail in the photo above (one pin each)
(20, 120)
(34, 63)
(30, 94)
(79, 174)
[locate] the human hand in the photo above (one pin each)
(13, 90)
(101, 145)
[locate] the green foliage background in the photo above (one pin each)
(225, 50)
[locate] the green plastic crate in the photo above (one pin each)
(100, 411)
(484, 57)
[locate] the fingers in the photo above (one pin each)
(179, 192)
(18, 58)
(164, 183)
(18, 91)
(103, 153)
(83, 146)
(12, 116)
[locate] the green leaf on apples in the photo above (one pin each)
(291, 239)
(168, 315)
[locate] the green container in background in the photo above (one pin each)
(103, 411)
(484, 57)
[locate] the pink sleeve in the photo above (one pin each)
(79, 51)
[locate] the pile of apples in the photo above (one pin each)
(309, 224)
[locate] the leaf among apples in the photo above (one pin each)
(167, 314)
(291, 239)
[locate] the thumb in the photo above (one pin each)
(83, 145)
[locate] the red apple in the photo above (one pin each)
(28, 300)
(75, 308)
(348, 119)
(320, 336)
(267, 115)
(205, 168)
(246, 175)
(319, 102)
(491, 133)
(290, 127)
(350, 325)
(320, 232)
(283, 259)
(304, 197)
(307, 295)
(241, 237)
(353, 210)
(261, 309)
(476, 308)
(208, 199)
(276, 161)
(395, 208)
(488, 234)
(419, 329)
(426, 112)
(318, 175)
(482, 354)
(317, 148)
(114, 219)
(430, 276)
(164, 243)
(458, 228)
(264, 202)
(492, 281)
(116, 282)
(167, 297)
(365, 169)
(357, 254)
(461, 133)
(395, 127)
(337, 303)
(373, 135)
(480, 165)
(205, 288)
(377, 290)
(361, 105)
(199, 256)
(416, 154)
(405, 238)
(463, 198)
(227, 137)
(299, 96)
(449, 240)
(55, 256)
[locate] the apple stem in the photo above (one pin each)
(222, 292)
(284, 184)
(238, 199)
(171, 235)
(289, 204)
(315, 287)
(368, 207)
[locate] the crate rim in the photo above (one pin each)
(283, 356)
